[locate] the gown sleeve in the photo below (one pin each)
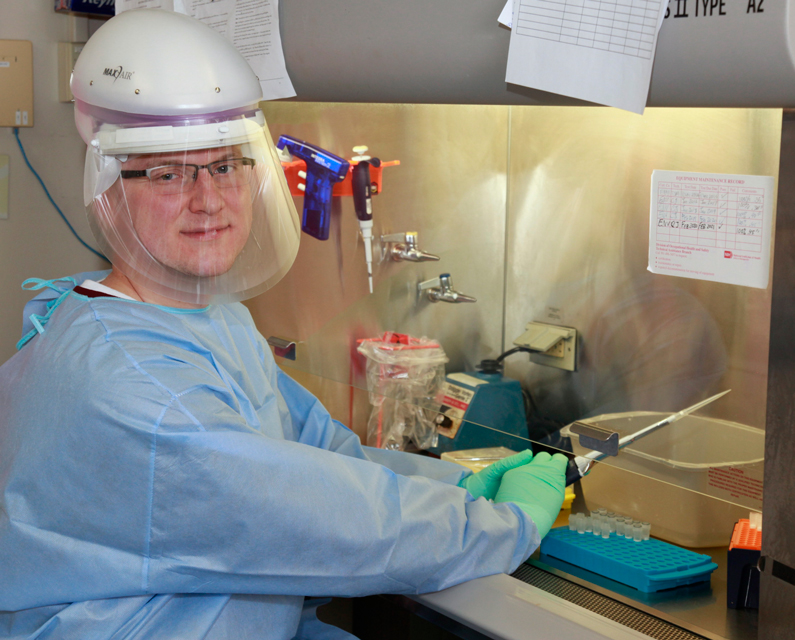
(318, 429)
(236, 512)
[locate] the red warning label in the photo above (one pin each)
(737, 482)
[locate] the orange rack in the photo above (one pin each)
(343, 188)
(744, 537)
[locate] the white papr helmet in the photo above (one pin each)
(158, 97)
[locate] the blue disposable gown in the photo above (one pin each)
(162, 478)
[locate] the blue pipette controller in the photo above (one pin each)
(323, 170)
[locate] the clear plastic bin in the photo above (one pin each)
(716, 458)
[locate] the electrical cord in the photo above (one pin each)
(47, 193)
(502, 357)
(530, 406)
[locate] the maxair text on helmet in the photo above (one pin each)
(118, 73)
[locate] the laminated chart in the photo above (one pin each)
(711, 227)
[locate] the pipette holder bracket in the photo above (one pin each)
(282, 348)
(596, 438)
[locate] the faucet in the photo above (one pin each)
(405, 247)
(441, 290)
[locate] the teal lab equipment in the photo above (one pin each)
(480, 409)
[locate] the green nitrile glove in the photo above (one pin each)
(484, 483)
(537, 489)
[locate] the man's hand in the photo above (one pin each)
(485, 483)
(537, 489)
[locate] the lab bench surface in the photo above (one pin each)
(505, 607)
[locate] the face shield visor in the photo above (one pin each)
(195, 208)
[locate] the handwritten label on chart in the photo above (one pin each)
(711, 226)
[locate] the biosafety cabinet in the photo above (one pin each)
(539, 208)
(542, 215)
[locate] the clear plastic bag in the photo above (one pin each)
(404, 375)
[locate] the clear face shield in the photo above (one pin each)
(196, 210)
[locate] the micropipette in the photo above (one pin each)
(363, 204)
(581, 465)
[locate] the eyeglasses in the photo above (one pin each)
(177, 178)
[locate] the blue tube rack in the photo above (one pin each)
(649, 566)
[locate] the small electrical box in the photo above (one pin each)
(16, 83)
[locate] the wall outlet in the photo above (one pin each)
(552, 345)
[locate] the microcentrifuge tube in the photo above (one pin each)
(605, 530)
(597, 527)
(620, 526)
(572, 522)
(602, 512)
(637, 532)
(581, 523)
(646, 530)
(588, 524)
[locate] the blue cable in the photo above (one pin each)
(57, 208)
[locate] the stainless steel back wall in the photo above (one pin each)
(542, 214)
(577, 252)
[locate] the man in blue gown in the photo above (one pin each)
(160, 477)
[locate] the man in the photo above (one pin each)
(192, 210)
(159, 476)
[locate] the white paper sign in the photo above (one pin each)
(711, 226)
(596, 50)
(214, 13)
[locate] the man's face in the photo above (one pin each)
(200, 231)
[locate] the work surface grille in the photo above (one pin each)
(602, 605)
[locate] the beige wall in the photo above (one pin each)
(34, 241)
